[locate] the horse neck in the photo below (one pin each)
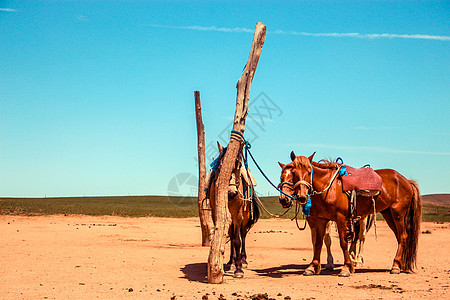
(321, 177)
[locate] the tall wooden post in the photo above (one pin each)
(206, 222)
(222, 215)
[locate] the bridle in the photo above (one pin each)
(310, 185)
(293, 186)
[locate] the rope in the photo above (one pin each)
(331, 182)
(375, 216)
(238, 136)
(297, 210)
(234, 135)
(265, 209)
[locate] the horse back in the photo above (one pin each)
(395, 186)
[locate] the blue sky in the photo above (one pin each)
(97, 97)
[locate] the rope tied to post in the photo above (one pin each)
(238, 136)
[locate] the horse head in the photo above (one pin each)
(286, 185)
(302, 177)
(233, 187)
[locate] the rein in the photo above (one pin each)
(239, 137)
(236, 135)
(329, 185)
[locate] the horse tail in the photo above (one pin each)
(412, 223)
(255, 213)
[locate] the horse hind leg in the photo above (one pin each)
(357, 245)
(348, 267)
(387, 215)
(360, 244)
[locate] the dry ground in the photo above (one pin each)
(84, 257)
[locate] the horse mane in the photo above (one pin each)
(326, 164)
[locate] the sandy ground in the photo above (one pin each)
(85, 257)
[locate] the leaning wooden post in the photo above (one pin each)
(222, 215)
(206, 222)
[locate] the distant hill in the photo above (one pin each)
(436, 199)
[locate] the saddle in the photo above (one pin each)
(363, 182)
(362, 179)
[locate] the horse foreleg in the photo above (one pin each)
(230, 263)
(318, 227)
(327, 240)
(243, 251)
(348, 267)
(238, 273)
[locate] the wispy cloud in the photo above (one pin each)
(379, 128)
(373, 149)
(82, 18)
(311, 34)
(8, 9)
(368, 35)
(204, 28)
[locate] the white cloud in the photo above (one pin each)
(319, 34)
(204, 28)
(373, 149)
(82, 18)
(8, 9)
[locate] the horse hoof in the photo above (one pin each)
(244, 266)
(395, 270)
(344, 273)
(238, 274)
(308, 272)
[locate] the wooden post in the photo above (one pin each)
(222, 214)
(206, 222)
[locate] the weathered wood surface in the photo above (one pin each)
(222, 214)
(206, 222)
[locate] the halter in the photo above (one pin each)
(310, 185)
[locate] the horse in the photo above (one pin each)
(362, 226)
(399, 202)
(243, 207)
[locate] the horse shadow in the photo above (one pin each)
(281, 271)
(198, 271)
(294, 269)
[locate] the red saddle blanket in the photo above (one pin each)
(361, 179)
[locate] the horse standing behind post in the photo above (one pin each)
(399, 202)
(243, 208)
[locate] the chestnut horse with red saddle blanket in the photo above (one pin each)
(398, 200)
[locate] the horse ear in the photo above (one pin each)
(292, 155)
(281, 165)
(312, 156)
(220, 147)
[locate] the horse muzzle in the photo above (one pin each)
(285, 201)
(302, 200)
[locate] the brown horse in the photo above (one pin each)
(243, 207)
(399, 202)
(362, 226)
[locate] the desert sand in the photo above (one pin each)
(86, 257)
